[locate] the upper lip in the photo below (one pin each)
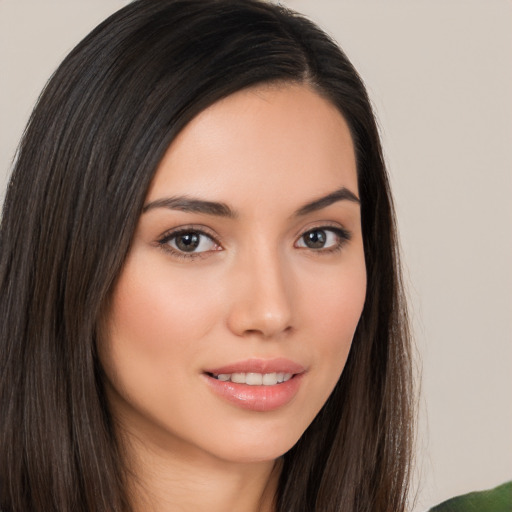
(259, 366)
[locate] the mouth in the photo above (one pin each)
(257, 372)
(252, 378)
(257, 384)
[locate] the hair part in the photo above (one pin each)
(86, 160)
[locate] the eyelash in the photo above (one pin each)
(163, 243)
(343, 236)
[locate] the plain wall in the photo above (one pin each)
(440, 75)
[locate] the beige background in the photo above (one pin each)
(440, 75)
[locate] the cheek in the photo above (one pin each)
(158, 309)
(336, 299)
(154, 333)
(334, 305)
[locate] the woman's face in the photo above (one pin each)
(233, 316)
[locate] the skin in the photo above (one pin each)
(255, 290)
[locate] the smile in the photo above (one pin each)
(258, 385)
(254, 379)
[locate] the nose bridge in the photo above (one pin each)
(262, 300)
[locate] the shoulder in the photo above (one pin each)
(498, 499)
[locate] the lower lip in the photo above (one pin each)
(256, 398)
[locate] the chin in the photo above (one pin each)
(257, 445)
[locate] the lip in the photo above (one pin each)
(257, 398)
(260, 366)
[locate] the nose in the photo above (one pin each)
(262, 296)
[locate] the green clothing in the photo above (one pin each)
(498, 499)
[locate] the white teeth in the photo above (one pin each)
(239, 378)
(270, 379)
(255, 379)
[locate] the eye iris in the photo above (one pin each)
(187, 242)
(315, 239)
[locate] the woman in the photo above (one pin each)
(200, 276)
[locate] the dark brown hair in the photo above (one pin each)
(90, 150)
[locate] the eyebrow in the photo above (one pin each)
(342, 194)
(189, 204)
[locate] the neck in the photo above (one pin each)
(165, 481)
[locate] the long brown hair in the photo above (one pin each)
(89, 152)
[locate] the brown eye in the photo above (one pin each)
(315, 239)
(325, 238)
(187, 242)
(190, 242)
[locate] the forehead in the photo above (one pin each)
(272, 141)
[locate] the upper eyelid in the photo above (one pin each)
(163, 243)
(203, 230)
(340, 232)
(333, 226)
